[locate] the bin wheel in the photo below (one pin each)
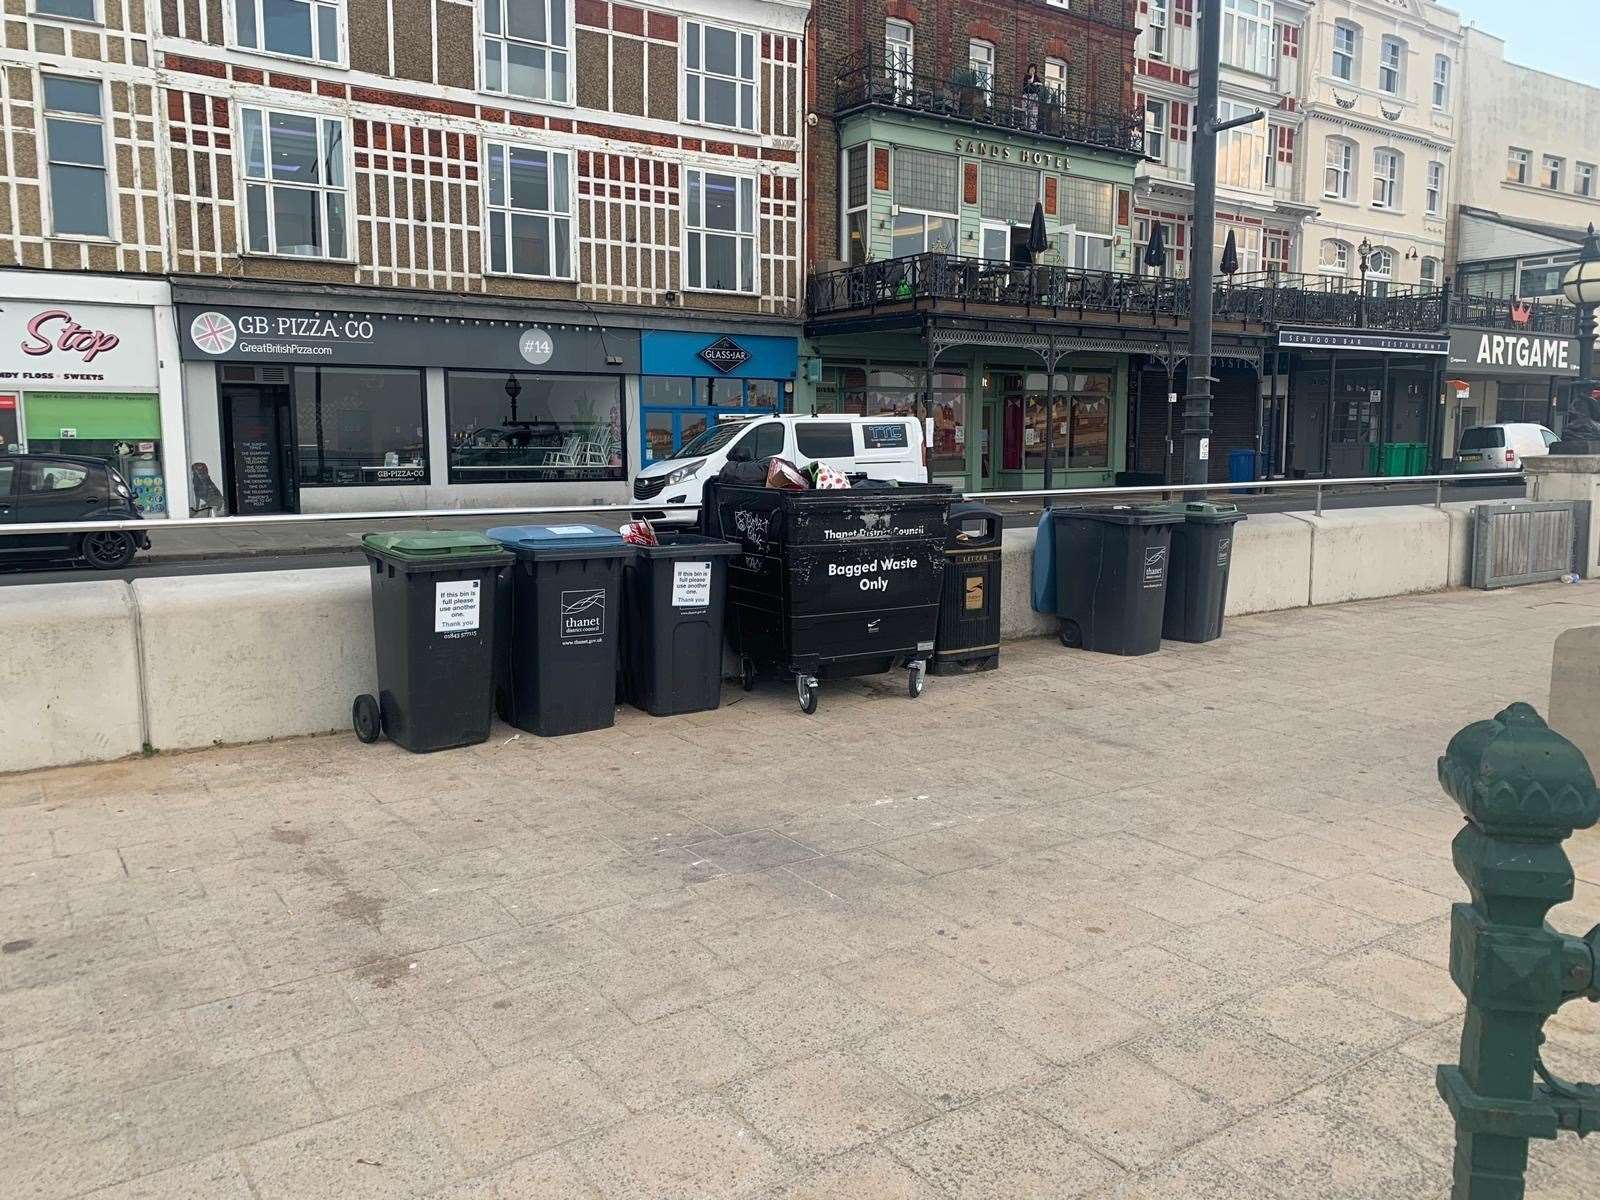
(919, 673)
(806, 689)
(367, 717)
(1071, 634)
(747, 673)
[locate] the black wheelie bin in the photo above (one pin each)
(1197, 581)
(833, 583)
(673, 601)
(1111, 575)
(433, 622)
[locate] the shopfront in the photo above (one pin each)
(690, 380)
(1501, 375)
(84, 378)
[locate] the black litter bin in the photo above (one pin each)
(559, 665)
(969, 611)
(1197, 583)
(1111, 575)
(673, 596)
(433, 621)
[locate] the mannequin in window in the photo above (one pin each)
(1031, 88)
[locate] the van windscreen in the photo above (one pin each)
(1483, 437)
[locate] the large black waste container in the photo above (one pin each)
(969, 611)
(1111, 575)
(829, 584)
(673, 598)
(1197, 582)
(433, 621)
(560, 648)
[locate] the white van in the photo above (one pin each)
(1501, 447)
(877, 447)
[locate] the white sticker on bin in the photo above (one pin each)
(691, 584)
(456, 605)
(568, 530)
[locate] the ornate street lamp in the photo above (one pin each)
(1581, 285)
(1365, 251)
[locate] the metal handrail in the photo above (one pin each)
(1233, 485)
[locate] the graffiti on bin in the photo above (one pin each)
(753, 527)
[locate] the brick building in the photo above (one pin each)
(414, 251)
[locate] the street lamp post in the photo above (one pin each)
(1365, 251)
(1580, 433)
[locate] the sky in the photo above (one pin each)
(1559, 36)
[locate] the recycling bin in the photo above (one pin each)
(1111, 575)
(1421, 460)
(673, 599)
(1242, 466)
(969, 608)
(558, 658)
(433, 624)
(1197, 580)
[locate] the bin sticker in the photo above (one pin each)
(691, 585)
(1224, 550)
(583, 616)
(568, 530)
(456, 605)
(1155, 566)
(974, 593)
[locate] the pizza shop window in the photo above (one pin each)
(533, 426)
(360, 425)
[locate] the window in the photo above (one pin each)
(1144, 230)
(300, 28)
(75, 145)
(1391, 65)
(1429, 272)
(1441, 81)
(1550, 172)
(1155, 130)
(1583, 179)
(49, 476)
(546, 427)
(6, 471)
(980, 57)
(1341, 158)
(1055, 77)
(1435, 188)
(926, 202)
(1155, 34)
(359, 425)
(1008, 194)
(294, 184)
(825, 439)
(1380, 270)
(1489, 279)
(1542, 276)
(855, 204)
(1086, 212)
(1335, 258)
(77, 10)
(719, 76)
(530, 206)
(525, 49)
(1346, 40)
(899, 55)
(721, 232)
(1247, 41)
(1385, 179)
(1240, 151)
(1517, 166)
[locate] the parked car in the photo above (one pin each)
(66, 487)
(877, 447)
(1501, 447)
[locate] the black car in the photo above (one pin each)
(66, 487)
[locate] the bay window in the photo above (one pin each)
(719, 76)
(1086, 212)
(294, 184)
(297, 28)
(1247, 41)
(926, 203)
(855, 204)
(1240, 151)
(530, 212)
(526, 48)
(720, 246)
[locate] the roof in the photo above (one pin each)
(1566, 233)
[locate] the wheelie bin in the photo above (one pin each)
(969, 609)
(1111, 575)
(433, 622)
(673, 600)
(1197, 580)
(559, 649)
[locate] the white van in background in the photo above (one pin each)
(1501, 447)
(877, 447)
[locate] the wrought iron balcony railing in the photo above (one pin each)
(890, 81)
(1520, 316)
(1267, 299)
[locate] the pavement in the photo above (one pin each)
(1172, 927)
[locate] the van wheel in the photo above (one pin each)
(108, 551)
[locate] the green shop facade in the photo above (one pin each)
(940, 212)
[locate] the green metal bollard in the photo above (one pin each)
(1524, 789)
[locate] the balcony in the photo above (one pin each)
(870, 81)
(949, 284)
(1517, 316)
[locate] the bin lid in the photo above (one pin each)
(560, 539)
(1119, 514)
(1205, 512)
(433, 545)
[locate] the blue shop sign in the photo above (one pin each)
(718, 355)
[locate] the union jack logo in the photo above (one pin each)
(213, 333)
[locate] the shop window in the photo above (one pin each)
(75, 143)
(825, 439)
(719, 76)
(530, 206)
(1247, 41)
(525, 49)
(73, 10)
(1543, 276)
(533, 427)
(667, 390)
(721, 243)
(1489, 279)
(360, 425)
(295, 181)
(297, 28)
(764, 393)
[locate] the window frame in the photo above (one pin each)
(1585, 172)
(1343, 251)
(687, 74)
(99, 17)
(1346, 169)
(1389, 184)
(540, 473)
(983, 69)
(1158, 135)
(1157, 32)
(570, 216)
(1380, 281)
(483, 36)
(341, 31)
(1523, 166)
(1056, 83)
(1552, 169)
(1441, 82)
(898, 209)
(1387, 43)
(739, 236)
(1351, 57)
(1235, 35)
(1252, 136)
(243, 181)
(848, 210)
(1430, 278)
(294, 404)
(1433, 196)
(107, 165)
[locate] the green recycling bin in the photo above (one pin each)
(1420, 460)
(1197, 579)
(433, 616)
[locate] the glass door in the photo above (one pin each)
(11, 425)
